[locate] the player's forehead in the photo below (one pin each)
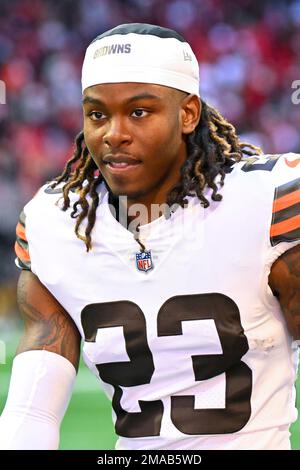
(130, 92)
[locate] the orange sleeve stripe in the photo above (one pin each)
(286, 226)
(20, 230)
(21, 253)
(286, 201)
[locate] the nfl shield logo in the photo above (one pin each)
(144, 261)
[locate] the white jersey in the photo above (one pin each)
(194, 353)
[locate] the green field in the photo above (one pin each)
(88, 423)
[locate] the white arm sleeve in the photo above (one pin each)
(40, 390)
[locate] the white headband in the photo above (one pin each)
(141, 57)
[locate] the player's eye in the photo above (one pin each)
(139, 112)
(96, 115)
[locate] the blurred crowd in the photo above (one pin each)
(248, 53)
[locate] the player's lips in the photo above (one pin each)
(120, 163)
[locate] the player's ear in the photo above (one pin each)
(190, 113)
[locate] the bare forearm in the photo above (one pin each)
(47, 325)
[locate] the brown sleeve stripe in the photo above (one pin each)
(285, 224)
(287, 213)
(287, 188)
(286, 237)
(22, 254)
(22, 218)
(23, 244)
(20, 231)
(286, 201)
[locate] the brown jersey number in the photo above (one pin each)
(140, 369)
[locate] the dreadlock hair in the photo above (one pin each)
(211, 148)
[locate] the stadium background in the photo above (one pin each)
(249, 57)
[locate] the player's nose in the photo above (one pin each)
(116, 133)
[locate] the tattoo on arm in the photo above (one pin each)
(284, 281)
(47, 325)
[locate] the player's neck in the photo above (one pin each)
(143, 211)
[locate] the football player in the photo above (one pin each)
(182, 276)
